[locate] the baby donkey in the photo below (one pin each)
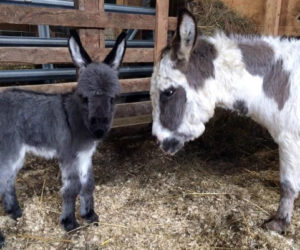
(67, 126)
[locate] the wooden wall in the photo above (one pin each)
(279, 17)
(270, 16)
(290, 18)
(130, 2)
(91, 19)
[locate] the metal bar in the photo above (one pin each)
(70, 4)
(132, 43)
(44, 32)
(136, 69)
(131, 34)
(36, 74)
(46, 3)
(62, 42)
(66, 73)
(32, 41)
(129, 9)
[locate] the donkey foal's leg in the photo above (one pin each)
(70, 190)
(86, 194)
(11, 204)
(2, 240)
(7, 185)
(289, 180)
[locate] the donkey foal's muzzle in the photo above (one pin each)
(99, 126)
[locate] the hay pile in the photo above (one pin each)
(214, 14)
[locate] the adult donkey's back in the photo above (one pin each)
(256, 76)
(66, 126)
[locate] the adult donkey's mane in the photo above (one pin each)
(257, 76)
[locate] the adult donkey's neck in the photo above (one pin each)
(250, 76)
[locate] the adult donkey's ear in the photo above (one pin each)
(80, 57)
(115, 56)
(185, 36)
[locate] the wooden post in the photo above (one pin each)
(122, 2)
(161, 27)
(92, 38)
(272, 17)
(283, 16)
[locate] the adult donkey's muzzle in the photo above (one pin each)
(171, 145)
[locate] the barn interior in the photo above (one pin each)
(214, 194)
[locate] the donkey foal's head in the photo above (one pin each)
(98, 84)
(181, 102)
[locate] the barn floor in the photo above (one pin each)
(215, 194)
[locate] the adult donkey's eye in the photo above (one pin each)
(169, 92)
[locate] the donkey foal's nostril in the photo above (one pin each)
(93, 121)
(104, 120)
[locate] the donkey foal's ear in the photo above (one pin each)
(115, 56)
(186, 35)
(80, 57)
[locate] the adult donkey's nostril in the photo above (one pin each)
(156, 139)
(171, 145)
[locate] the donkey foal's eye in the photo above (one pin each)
(84, 99)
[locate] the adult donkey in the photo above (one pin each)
(67, 126)
(256, 76)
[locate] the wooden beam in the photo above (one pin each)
(289, 30)
(91, 38)
(127, 85)
(172, 23)
(54, 88)
(272, 17)
(133, 109)
(40, 55)
(122, 2)
(101, 31)
(161, 27)
(18, 14)
(132, 121)
(277, 17)
(289, 18)
(135, 85)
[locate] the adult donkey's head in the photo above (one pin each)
(181, 102)
(98, 84)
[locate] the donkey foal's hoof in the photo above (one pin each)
(2, 240)
(69, 224)
(15, 213)
(91, 217)
(277, 225)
